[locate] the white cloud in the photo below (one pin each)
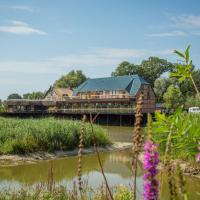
(168, 34)
(18, 23)
(19, 27)
(116, 52)
(22, 76)
(92, 59)
(187, 24)
(186, 21)
(196, 33)
(22, 8)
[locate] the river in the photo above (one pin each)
(116, 165)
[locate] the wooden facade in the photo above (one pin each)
(58, 94)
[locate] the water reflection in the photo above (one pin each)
(120, 133)
(65, 168)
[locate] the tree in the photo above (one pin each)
(187, 87)
(160, 87)
(124, 68)
(73, 79)
(172, 97)
(14, 96)
(2, 107)
(192, 101)
(150, 69)
(33, 95)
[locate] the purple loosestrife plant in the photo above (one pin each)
(198, 155)
(151, 160)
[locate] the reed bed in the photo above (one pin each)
(18, 136)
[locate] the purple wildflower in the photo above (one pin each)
(198, 155)
(151, 160)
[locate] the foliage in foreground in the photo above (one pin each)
(46, 134)
(185, 133)
(62, 193)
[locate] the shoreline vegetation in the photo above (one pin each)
(22, 136)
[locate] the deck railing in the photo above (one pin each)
(103, 96)
(96, 110)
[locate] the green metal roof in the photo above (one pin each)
(129, 83)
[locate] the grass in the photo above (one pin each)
(62, 193)
(18, 136)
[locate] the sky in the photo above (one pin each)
(40, 40)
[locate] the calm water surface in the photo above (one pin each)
(116, 165)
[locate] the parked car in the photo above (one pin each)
(194, 110)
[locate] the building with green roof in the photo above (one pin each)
(117, 89)
(110, 95)
(114, 85)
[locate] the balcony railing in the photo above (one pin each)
(95, 110)
(104, 96)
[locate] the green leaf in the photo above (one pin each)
(174, 74)
(179, 54)
(187, 54)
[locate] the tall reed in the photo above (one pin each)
(45, 134)
(137, 140)
(80, 152)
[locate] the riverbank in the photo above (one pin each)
(33, 158)
(18, 159)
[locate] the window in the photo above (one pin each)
(148, 95)
(114, 92)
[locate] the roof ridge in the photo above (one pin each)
(114, 77)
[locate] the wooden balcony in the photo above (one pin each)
(104, 96)
(95, 110)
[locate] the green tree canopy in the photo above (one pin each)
(33, 95)
(187, 87)
(172, 97)
(192, 101)
(2, 107)
(14, 96)
(161, 85)
(150, 69)
(73, 79)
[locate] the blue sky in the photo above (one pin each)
(42, 39)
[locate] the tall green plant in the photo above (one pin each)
(184, 132)
(184, 71)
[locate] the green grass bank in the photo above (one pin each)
(19, 136)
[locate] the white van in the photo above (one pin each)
(194, 110)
